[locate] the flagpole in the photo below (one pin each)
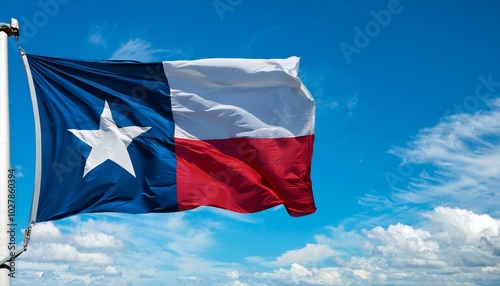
(6, 31)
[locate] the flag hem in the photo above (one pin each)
(38, 138)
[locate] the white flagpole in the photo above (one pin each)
(5, 31)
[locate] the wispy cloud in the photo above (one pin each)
(247, 218)
(352, 103)
(455, 172)
(96, 35)
(143, 51)
(460, 160)
(375, 202)
(19, 171)
(334, 104)
(137, 49)
(315, 81)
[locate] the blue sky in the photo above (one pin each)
(406, 166)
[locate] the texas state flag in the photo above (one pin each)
(131, 137)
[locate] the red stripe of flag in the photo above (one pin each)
(245, 174)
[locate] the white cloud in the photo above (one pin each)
(401, 238)
(47, 232)
(185, 239)
(363, 274)
(111, 270)
(96, 240)
(465, 224)
(116, 249)
(451, 246)
(60, 253)
(309, 253)
(299, 275)
(452, 240)
(57, 252)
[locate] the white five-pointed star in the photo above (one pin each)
(109, 142)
